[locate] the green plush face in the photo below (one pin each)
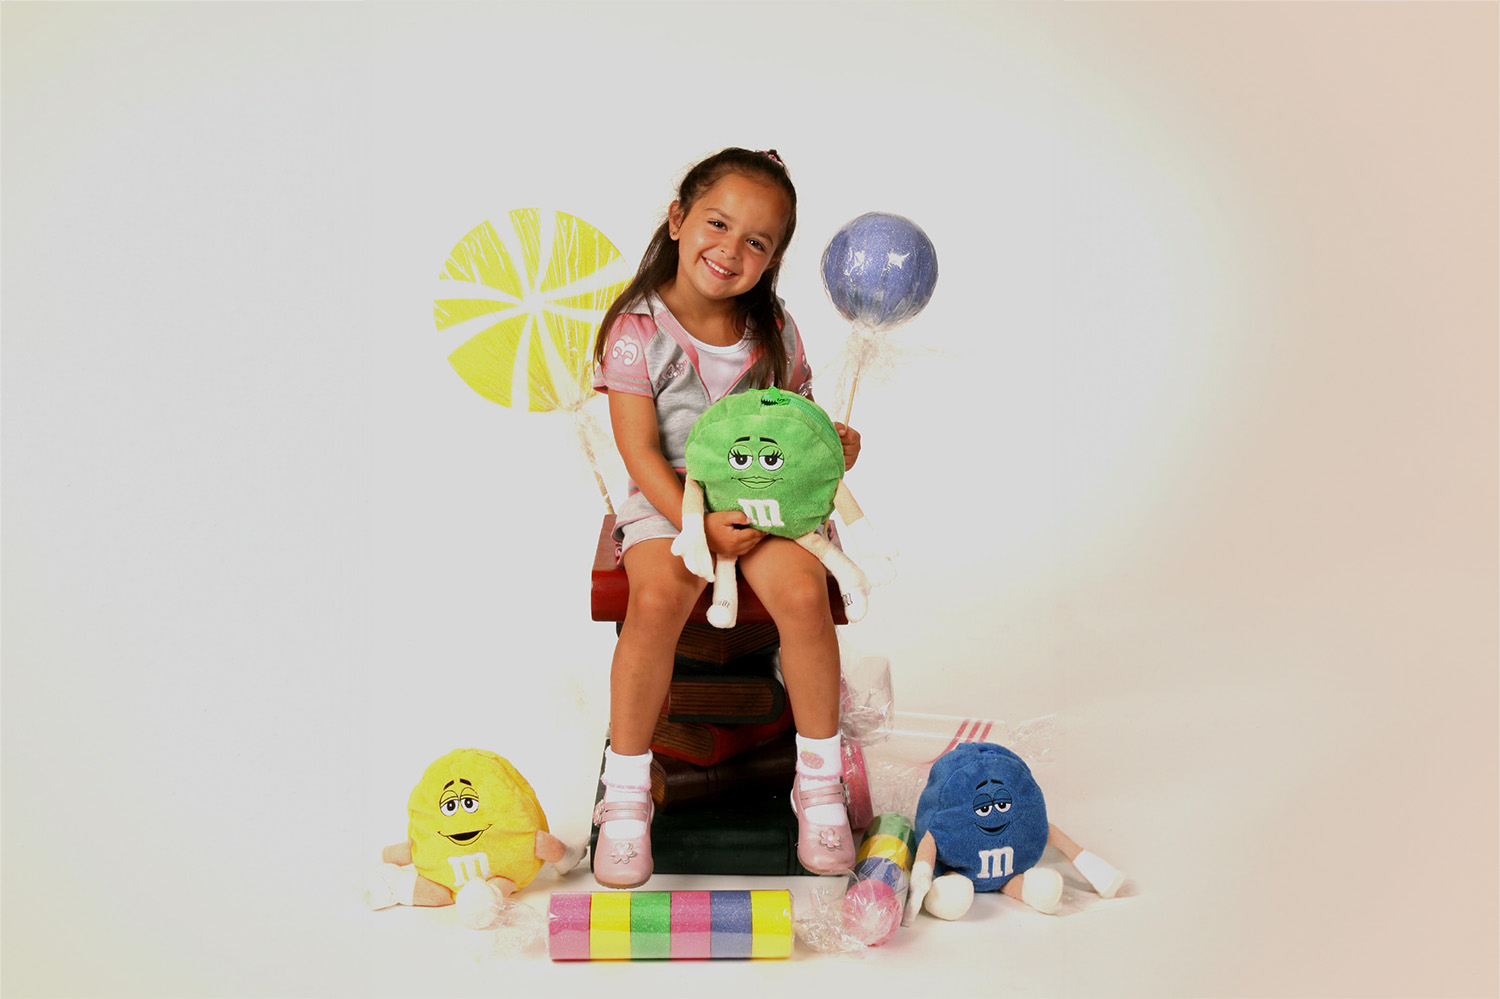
(773, 455)
(756, 462)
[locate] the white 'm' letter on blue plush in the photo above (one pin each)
(1004, 866)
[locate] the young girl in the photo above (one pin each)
(701, 320)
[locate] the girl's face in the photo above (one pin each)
(729, 236)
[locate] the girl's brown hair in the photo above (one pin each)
(758, 311)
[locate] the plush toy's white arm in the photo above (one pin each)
(874, 553)
(921, 878)
(691, 543)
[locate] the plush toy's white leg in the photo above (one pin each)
(854, 587)
(725, 608)
(873, 552)
(950, 896)
(391, 885)
(1041, 888)
(691, 543)
(1106, 879)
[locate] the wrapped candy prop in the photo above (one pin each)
(879, 271)
(876, 894)
(533, 324)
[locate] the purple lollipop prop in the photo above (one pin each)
(879, 271)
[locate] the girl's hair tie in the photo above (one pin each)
(772, 153)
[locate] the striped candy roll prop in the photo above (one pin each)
(876, 894)
(640, 925)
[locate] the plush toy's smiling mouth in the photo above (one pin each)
(758, 481)
(993, 829)
(465, 837)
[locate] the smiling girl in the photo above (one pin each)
(701, 320)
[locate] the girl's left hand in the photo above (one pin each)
(849, 437)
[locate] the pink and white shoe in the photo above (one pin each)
(623, 863)
(822, 849)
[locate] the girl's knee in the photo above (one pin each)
(800, 599)
(661, 602)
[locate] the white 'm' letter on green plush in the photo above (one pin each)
(762, 512)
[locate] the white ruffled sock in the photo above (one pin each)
(819, 760)
(626, 778)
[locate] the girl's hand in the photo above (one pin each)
(725, 538)
(849, 437)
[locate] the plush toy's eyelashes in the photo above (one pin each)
(772, 460)
(740, 460)
(452, 805)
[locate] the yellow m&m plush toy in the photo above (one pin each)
(476, 833)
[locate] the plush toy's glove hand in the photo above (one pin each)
(874, 554)
(691, 545)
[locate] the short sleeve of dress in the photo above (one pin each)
(624, 365)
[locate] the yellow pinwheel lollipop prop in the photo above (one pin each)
(534, 324)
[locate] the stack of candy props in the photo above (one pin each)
(984, 826)
(476, 834)
(637, 925)
(777, 457)
(879, 271)
(535, 323)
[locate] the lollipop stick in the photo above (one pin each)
(852, 386)
(604, 491)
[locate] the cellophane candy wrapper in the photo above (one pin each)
(821, 928)
(518, 929)
(867, 702)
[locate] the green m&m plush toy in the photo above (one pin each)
(776, 456)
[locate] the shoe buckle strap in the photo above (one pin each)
(829, 793)
(608, 811)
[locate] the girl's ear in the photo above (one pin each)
(675, 216)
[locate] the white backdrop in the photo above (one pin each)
(1194, 449)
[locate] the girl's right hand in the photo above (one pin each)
(725, 538)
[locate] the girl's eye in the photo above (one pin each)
(771, 462)
(757, 244)
(470, 804)
(449, 807)
(739, 460)
(716, 223)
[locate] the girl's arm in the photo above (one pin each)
(637, 436)
(633, 418)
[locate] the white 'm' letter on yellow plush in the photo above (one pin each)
(471, 866)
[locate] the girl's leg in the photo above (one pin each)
(792, 584)
(662, 594)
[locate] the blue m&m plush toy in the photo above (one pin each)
(986, 817)
(879, 270)
(986, 814)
